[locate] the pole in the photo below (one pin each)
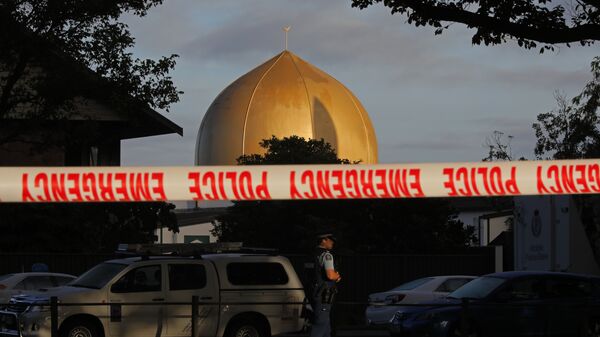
(53, 316)
(194, 315)
(286, 29)
(464, 319)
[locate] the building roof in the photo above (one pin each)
(137, 120)
(198, 215)
(284, 96)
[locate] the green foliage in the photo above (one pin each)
(529, 22)
(572, 130)
(81, 228)
(76, 42)
(499, 147)
(364, 226)
(293, 150)
(51, 53)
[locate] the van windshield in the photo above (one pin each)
(98, 276)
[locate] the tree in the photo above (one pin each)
(366, 226)
(81, 228)
(499, 147)
(46, 34)
(571, 131)
(52, 54)
(293, 150)
(529, 22)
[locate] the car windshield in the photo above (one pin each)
(413, 284)
(4, 277)
(98, 276)
(478, 288)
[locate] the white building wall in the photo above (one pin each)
(198, 232)
(472, 219)
(491, 228)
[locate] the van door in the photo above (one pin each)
(143, 286)
(187, 279)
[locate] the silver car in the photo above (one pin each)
(29, 283)
(383, 306)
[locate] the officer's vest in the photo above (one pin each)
(321, 279)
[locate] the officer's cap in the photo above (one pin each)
(321, 236)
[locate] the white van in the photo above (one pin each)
(239, 294)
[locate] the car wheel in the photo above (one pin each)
(80, 329)
(245, 329)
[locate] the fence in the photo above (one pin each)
(366, 274)
(362, 274)
(463, 317)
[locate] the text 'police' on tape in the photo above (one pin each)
(297, 182)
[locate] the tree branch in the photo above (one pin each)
(542, 34)
(594, 3)
(11, 80)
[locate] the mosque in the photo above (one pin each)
(282, 97)
(288, 96)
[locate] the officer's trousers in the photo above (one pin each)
(321, 326)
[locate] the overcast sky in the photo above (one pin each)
(430, 98)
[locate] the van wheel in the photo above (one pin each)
(245, 329)
(79, 329)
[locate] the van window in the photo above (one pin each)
(187, 276)
(256, 273)
(141, 279)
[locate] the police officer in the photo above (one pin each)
(326, 278)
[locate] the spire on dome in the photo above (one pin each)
(286, 29)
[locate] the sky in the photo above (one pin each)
(430, 98)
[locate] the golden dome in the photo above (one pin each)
(284, 96)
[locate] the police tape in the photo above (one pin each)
(298, 182)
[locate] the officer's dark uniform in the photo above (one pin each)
(323, 295)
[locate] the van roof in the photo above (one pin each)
(134, 259)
